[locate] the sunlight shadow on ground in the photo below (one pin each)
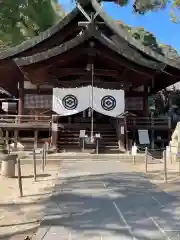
(83, 205)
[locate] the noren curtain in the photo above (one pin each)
(69, 101)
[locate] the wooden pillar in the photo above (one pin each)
(54, 134)
(169, 129)
(120, 128)
(35, 138)
(152, 133)
(145, 101)
(54, 139)
(7, 139)
(16, 133)
(126, 133)
(21, 97)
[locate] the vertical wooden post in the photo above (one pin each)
(169, 128)
(152, 133)
(97, 146)
(83, 141)
(165, 166)
(19, 177)
(145, 100)
(45, 152)
(126, 133)
(43, 157)
(9, 148)
(7, 139)
(15, 138)
(146, 159)
(120, 130)
(34, 164)
(134, 160)
(54, 133)
(134, 135)
(35, 138)
(168, 154)
(21, 97)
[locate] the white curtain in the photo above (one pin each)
(108, 102)
(69, 101)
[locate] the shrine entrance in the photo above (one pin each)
(68, 138)
(85, 117)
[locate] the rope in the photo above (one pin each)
(150, 149)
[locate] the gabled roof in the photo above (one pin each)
(122, 33)
(122, 49)
(40, 38)
(125, 46)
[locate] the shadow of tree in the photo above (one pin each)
(86, 205)
(82, 204)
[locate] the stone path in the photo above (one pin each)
(106, 201)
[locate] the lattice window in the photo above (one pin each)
(134, 103)
(38, 101)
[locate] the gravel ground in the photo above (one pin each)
(113, 200)
(19, 217)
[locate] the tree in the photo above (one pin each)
(148, 39)
(22, 19)
(143, 6)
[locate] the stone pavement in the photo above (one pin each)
(107, 201)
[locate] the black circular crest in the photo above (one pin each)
(70, 102)
(108, 103)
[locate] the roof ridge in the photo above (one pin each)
(125, 51)
(122, 33)
(41, 37)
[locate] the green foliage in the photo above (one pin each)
(148, 39)
(143, 6)
(22, 19)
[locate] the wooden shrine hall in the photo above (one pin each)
(87, 50)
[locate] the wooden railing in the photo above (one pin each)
(132, 122)
(147, 122)
(25, 119)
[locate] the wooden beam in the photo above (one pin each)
(88, 81)
(79, 71)
(125, 63)
(112, 85)
(62, 59)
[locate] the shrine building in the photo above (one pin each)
(86, 73)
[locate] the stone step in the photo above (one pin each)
(103, 143)
(77, 135)
(77, 140)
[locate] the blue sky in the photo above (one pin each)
(156, 22)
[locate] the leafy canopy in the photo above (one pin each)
(143, 6)
(23, 19)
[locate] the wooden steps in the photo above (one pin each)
(68, 140)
